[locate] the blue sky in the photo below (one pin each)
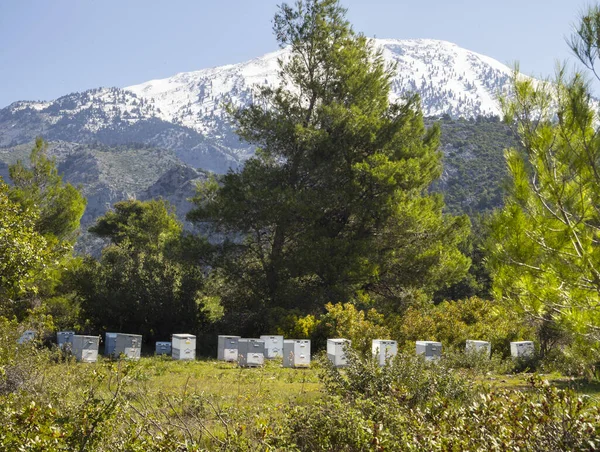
(54, 47)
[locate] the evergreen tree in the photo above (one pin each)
(544, 249)
(39, 186)
(53, 210)
(143, 282)
(24, 254)
(335, 200)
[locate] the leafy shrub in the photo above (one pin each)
(22, 365)
(410, 379)
(453, 322)
(426, 408)
(479, 362)
(342, 320)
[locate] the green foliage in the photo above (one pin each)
(139, 225)
(39, 219)
(22, 365)
(24, 255)
(40, 187)
(341, 320)
(143, 282)
(335, 200)
(453, 322)
(412, 405)
(474, 167)
(411, 379)
(543, 250)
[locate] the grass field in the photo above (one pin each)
(206, 403)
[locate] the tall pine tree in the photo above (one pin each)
(335, 201)
(544, 252)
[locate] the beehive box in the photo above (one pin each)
(110, 341)
(162, 348)
(296, 353)
(384, 350)
(336, 351)
(227, 348)
(273, 346)
(522, 349)
(85, 348)
(481, 347)
(183, 346)
(128, 345)
(251, 352)
(429, 349)
(64, 339)
(27, 336)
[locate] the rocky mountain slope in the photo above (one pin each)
(185, 113)
(150, 140)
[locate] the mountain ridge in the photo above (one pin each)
(184, 113)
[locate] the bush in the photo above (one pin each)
(342, 320)
(22, 365)
(411, 405)
(453, 322)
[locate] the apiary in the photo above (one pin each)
(482, 347)
(128, 345)
(27, 336)
(522, 349)
(162, 348)
(110, 340)
(273, 346)
(251, 352)
(227, 348)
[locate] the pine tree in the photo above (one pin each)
(335, 201)
(545, 248)
(39, 186)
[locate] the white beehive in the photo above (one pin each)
(183, 346)
(273, 346)
(85, 348)
(251, 352)
(227, 348)
(429, 349)
(27, 336)
(163, 348)
(110, 341)
(522, 349)
(128, 345)
(336, 351)
(384, 350)
(481, 347)
(65, 337)
(296, 353)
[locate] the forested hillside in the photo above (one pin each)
(474, 177)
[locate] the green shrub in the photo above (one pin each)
(342, 320)
(453, 322)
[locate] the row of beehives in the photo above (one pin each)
(252, 352)
(85, 348)
(384, 350)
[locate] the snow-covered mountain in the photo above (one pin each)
(184, 113)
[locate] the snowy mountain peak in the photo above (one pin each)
(184, 113)
(451, 80)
